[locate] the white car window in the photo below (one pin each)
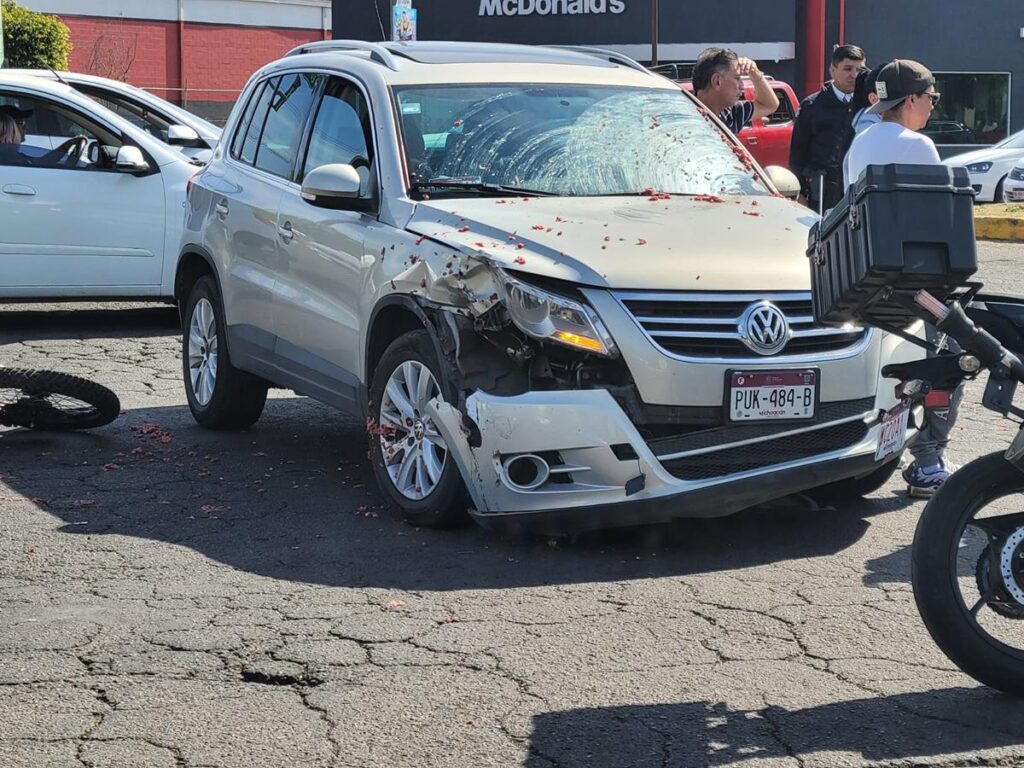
(57, 136)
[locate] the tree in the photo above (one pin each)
(34, 40)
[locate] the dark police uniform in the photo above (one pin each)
(820, 137)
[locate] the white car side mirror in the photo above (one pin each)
(130, 160)
(784, 180)
(183, 136)
(332, 183)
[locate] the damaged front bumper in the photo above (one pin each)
(566, 461)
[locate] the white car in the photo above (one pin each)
(990, 167)
(99, 216)
(194, 136)
(1013, 187)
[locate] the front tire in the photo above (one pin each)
(938, 582)
(412, 464)
(219, 395)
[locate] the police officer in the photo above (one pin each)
(822, 129)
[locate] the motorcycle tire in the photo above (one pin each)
(935, 575)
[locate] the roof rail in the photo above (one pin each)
(604, 53)
(378, 52)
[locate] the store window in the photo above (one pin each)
(974, 109)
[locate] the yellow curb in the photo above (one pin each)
(998, 228)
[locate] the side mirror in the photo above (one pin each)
(784, 180)
(183, 136)
(130, 160)
(329, 185)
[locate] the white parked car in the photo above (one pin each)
(99, 215)
(1013, 187)
(990, 167)
(194, 136)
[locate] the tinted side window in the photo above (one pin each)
(254, 126)
(341, 129)
(290, 104)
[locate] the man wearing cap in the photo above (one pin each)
(906, 98)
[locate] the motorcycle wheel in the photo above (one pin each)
(968, 571)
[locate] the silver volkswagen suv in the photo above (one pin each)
(562, 295)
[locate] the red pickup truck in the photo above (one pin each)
(767, 139)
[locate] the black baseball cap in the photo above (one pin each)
(899, 79)
(15, 112)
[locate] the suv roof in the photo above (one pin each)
(444, 62)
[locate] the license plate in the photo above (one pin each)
(1017, 194)
(772, 395)
(894, 431)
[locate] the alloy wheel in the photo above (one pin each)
(413, 451)
(202, 351)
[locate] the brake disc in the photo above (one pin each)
(1011, 571)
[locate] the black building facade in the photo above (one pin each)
(976, 49)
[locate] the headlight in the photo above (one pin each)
(979, 167)
(1017, 174)
(551, 317)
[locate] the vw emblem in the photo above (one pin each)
(764, 329)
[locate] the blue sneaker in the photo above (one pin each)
(923, 482)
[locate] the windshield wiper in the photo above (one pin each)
(477, 186)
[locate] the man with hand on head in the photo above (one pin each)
(718, 83)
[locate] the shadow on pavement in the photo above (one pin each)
(71, 321)
(910, 727)
(294, 498)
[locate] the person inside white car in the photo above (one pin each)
(12, 136)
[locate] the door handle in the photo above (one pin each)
(751, 139)
(285, 232)
(18, 189)
(221, 208)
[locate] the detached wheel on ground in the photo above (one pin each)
(856, 487)
(48, 400)
(220, 396)
(410, 458)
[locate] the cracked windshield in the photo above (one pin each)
(568, 140)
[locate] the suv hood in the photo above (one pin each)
(677, 243)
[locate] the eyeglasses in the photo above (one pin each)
(933, 96)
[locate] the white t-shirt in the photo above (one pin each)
(884, 143)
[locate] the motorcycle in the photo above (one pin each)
(968, 549)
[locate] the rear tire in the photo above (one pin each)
(47, 400)
(220, 396)
(443, 500)
(936, 590)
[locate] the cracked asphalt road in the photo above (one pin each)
(175, 597)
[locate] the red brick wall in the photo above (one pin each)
(217, 59)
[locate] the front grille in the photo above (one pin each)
(746, 458)
(735, 433)
(706, 326)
